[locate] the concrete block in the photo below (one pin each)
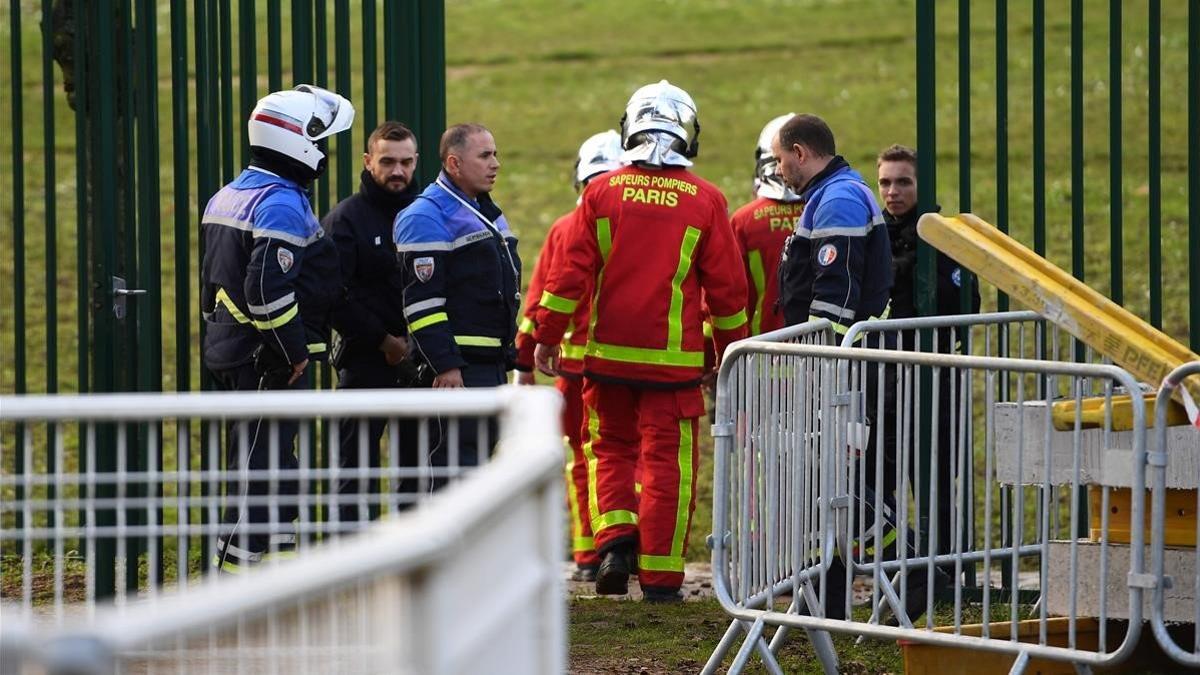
(1105, 458)
(1179, 602)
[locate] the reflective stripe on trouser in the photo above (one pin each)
(624, 424)
(582, 547)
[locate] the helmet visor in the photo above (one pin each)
(331, 113)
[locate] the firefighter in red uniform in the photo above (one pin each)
(598, 154)
(762, 228)
(650, 238)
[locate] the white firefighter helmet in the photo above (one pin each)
(767, 180)
(292, 122)
(660, 127)
(599, 153)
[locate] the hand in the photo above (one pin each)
(297, 371)
(545, 357)
(451, 379)
(525, 377)
(394, 348)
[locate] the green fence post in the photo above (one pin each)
(370, 73)
(1002, 140)
(1154, 161)
(341, 57)
(50, 205)
(926, 279)
(431, 34)
(1193, 114)
(18, 252)
(274, 46)
(1115, 189)
(248, 77)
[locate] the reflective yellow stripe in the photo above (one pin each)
(224, 299)
(527, 326)
(227, 566)
(888, 538)
(277, 321)
(610, 518)
(660, 563)
(583, 545)
(707, 330)
(675, 315)
(683, 508)
(557, 303)
(573, 502)
(317, 347)
(758, 275)
(730, 322)
(657, 357)
(279, 555)
(570, 351)
(426, 321)
(837, 327)
(604, 237)
(477, 341)
(593, 426)
(604, 241)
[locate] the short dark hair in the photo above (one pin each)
(390, 131)
(898, 153)
(810, 131)
(454, 138)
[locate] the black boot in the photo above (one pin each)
(616, 564)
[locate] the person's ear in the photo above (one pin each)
(452, 165)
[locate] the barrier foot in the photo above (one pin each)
(722, 649)
(821, 641)
(1019, 664)
(754, 641)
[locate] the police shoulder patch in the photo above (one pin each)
(827, 254)
(285, 258)
(423, 268)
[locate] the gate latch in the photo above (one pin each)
(120, 294)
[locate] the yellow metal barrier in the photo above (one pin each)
(1110, 329)
(1118, 410)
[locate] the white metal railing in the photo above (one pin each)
(470, 576)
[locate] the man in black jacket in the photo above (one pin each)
(898, 190)
(372, 348)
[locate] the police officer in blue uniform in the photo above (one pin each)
(371, 347)
(462, 275)
(269, 281)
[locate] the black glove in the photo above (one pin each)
(273, 370)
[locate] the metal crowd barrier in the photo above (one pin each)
(1175, 559)
(813, 441)
(470, 575)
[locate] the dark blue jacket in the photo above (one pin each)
(361, 227)
(462, 278)
(268, 275)
(837, 265)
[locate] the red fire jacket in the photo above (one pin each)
(652, 241)
(577, 329)
(762, 227)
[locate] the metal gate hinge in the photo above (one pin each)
(840, 502)
(722, 430)
(1143, 580)
(1156, 458)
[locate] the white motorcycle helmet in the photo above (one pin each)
(293, 122)
(660, 127)
(768, 182)
(598, 154)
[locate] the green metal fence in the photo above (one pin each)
(1082, 210)
(125, 117)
